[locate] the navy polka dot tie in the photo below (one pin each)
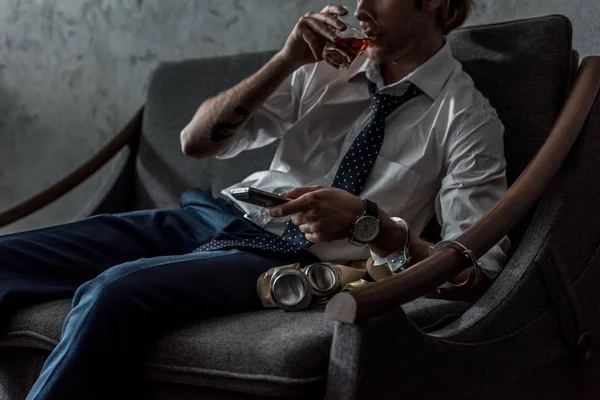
(358, 161)
(351, 175)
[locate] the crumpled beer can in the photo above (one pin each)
(325, 279)
(286, 287)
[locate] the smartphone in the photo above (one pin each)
(258, 197)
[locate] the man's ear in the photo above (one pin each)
(433, 5)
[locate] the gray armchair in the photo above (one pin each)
(528, 336)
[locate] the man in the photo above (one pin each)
(438, 147)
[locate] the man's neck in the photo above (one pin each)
(398, 69)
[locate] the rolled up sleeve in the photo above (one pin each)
(474, 179)
(272, 120)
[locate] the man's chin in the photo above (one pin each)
(380, 54)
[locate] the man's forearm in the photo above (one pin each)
(218, 122)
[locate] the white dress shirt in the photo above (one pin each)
(442, 154)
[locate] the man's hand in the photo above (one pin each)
(307, 41)
(322, 213)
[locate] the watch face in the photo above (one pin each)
(366, 229)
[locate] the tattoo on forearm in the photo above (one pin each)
(224, 130)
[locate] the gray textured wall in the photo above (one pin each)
(73, 71)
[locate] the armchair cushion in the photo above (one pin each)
(268, 352)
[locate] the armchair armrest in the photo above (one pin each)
(125, 136)
(386, 295)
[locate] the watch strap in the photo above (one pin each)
(371, 208)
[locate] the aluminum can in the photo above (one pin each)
(286, 287)
(325, 279)
(291, 290)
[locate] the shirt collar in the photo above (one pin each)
(429, 77)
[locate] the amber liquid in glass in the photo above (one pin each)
(342, 53)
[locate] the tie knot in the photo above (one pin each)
(385, 103)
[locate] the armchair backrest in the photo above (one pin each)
(524, 67)
(174, 94)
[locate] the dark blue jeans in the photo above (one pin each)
(133, 276)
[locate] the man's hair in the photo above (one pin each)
(452, 13)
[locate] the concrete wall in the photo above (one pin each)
(73, 71)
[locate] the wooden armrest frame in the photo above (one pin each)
(124, 137)
(388, 294)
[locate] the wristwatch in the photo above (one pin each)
(366, 228)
